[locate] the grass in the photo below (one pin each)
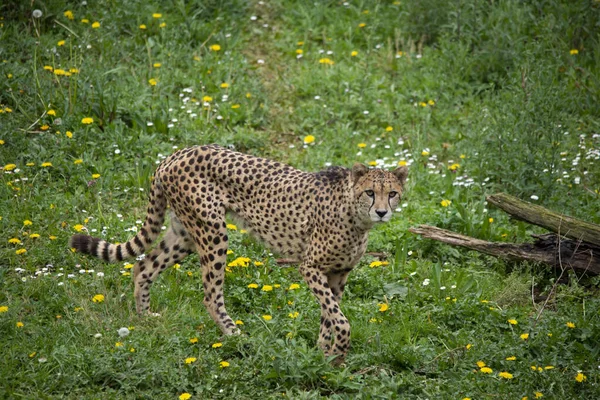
(474, 97)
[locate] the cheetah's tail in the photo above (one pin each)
(135, 246)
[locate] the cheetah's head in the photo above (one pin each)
(377, 192)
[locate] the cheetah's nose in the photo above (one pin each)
(381, 213)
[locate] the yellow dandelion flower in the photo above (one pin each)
(524, 336)
(580, 377)
(505, 375)
(445, 203)
(14, 241)
(85, 21)
(27, 222)
(60, 43)
(260, 264)
(59, 72)
(78, 161)
(468, 346)
(152, 81)
(3, 309)
(46, 164)
(96, 25)
(34, 235)
(570, 325)
(207, 99)
(45, 127)
(69, 14)
(300, 43)
(309, 139)
(294, 286)
(87, 120)
(573, 52)
(95, 176)
(402, 163)
(253, 286)
(362, 25)
(215, 47)
(78, 227)
(52, 237)
(190, 360)
(119, 344)
(69, 134)
(185, 396)
(267, 317)
(383, 307)
(513, 321)
(234, 106)
(511, 358)
(143, 26)
(232, 227)
(431, 102)
(217, 345)
(326, 61)
(20, 324)
(51, 112)
(548, 367)
(21, 251)
(99, 298)
(239, 322)
(538, 395)
(490, 220)
(248, 95)
(389, 129)
(354, 53)
(157, 65)
(480, 364)
(267, 288)
(294, 314)
(224, 364)
(486, 370)
(454, 167)
(162, 25)
(299, 51)
(156, 15)
(224, 85)
(48, 68)
(372, 163)
(362, 145)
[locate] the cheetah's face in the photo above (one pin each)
(377, 192)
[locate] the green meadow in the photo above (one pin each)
(475, 97)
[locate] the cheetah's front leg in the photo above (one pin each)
(333, 320)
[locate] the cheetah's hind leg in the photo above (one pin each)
(175, 246)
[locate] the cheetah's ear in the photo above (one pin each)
(401, 173)
(358, 170)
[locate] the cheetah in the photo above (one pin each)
(321, 219)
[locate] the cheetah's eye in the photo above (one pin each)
(370, 193)
(393, 194)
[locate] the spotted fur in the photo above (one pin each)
(322, 219)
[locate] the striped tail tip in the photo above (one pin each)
(85, 244)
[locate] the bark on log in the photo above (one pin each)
(559, 253)
(538, 215)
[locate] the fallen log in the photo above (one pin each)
(549, 249)
(562, 224)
